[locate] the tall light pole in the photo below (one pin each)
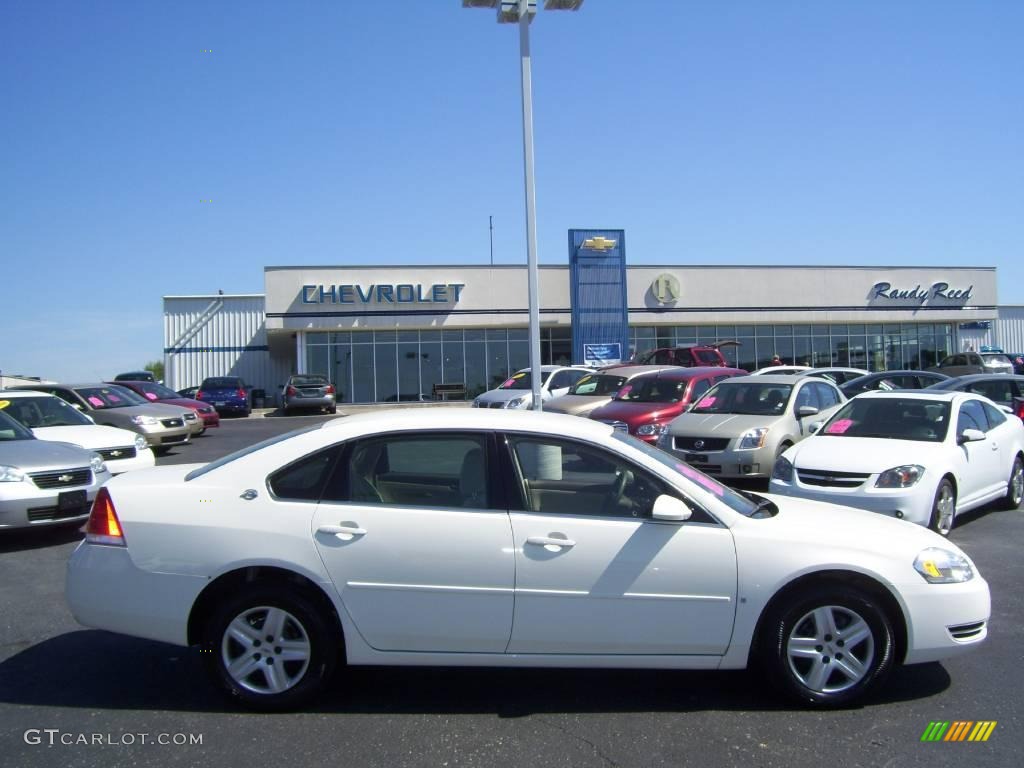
(522, 12)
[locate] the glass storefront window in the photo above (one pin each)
(386, 369)
(362, 378)
(409, 371)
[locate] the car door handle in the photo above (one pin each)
(342, 531)
(549, 541)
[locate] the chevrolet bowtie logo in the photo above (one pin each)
(599, 243)
(66, 478)
(116, 453)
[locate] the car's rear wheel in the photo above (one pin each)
(270, 648)
(828, 647)
(1015, 486)
(943, 516)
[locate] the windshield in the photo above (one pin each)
(35, 412)
(523, 380)
(653, 390)
(891, 418)
(596, 385)
(102, 398)
(9, 428)
(153, 391)
(751, 398)
(735, 501)
(990, 358)
(309, 381)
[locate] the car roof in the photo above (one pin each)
(769, 378)
(677, 372)
(556, 424)
(636, 370)
(917, 394)
(973, 377)
(9, 393)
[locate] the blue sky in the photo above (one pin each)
(349, 132)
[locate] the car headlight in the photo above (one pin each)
(940, 566)
(752, 438)
(10, 474)
(140, 443)
(143, 420)
(783, 470)
(518, 402)
(652, 429)
(900, 477)
(96, 464)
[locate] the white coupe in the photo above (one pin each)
(496, 538)
(921, 456)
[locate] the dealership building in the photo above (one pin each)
(391, 333)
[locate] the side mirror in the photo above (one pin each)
(670, 508)
(815, 426)
(806, 410)
(970, 436)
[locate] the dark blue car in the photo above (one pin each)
(227, 394)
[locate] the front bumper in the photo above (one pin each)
(106, 590)
(729, 462)
(24, 505)
(211, 419)
(945, 620)
(913, 504)
(158, 436)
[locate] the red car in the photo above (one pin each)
(158, 393)
(648, 403)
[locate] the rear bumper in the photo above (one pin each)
(106, 590)
(310, 402)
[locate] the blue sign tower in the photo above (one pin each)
(597, 280)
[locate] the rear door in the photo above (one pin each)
(410, 534)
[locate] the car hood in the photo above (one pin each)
(576, 405)
(868, 455)
(91, 436)
(35, 455)
(504, 395)
(155, 410)
(720, 424)
(637, 413)
(816, 522)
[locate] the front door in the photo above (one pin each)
(980, 461)
(420, 558)
(596, 575)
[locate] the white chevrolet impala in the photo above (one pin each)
(490, 538)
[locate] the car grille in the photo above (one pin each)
(116, 454)
(829, 479)
(42, 514)
(62, 478)
(967, 631)
(171, 423)
(706, 443)
(618, 426)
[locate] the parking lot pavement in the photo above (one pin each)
(55, 674)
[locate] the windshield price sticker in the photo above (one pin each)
(839, 427)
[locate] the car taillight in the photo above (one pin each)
(291, 392)
(241, 393)
(330, 389)
(103, 527)
(199, 394)
(1020, 410)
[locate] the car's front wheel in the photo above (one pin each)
(1015, 486)
(270, 648)
(828, 647)
(943, 516)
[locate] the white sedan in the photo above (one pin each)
(496, 538)
(922, 456)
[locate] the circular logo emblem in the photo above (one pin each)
(699, 444)
(665, 288)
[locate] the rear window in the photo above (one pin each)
(224, 382)
(707, 356)
(309, 381)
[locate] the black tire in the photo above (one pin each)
(299, 680)
(332, 410)
(1015, 485)
(796, 620)
(937, 521)
(160, 450)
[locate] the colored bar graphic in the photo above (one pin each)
(959, 730)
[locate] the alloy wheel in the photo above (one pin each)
(830, 649)
(945, 509)
(265, 650)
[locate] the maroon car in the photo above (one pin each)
(648, 403)
(158, 393)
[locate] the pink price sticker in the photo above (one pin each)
(93, 400)
(151, 396)
(707, 402)
(625, 391)
(701, 479)
(839, 427)
(507, 383)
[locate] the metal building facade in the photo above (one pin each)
(1010, 328)
(220, 335)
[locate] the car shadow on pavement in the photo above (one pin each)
(73, 670)
(21, 539)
